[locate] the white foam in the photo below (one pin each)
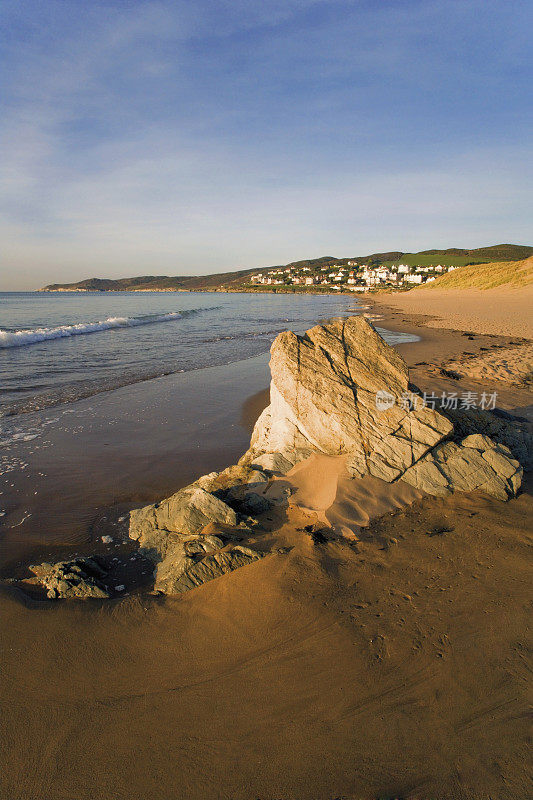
(19, 338)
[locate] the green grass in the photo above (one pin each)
(458, 257)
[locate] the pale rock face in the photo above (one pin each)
(323, 398)
(476, 463)
(273, 462)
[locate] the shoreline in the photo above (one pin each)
(499, 311)
(280, 678)
(116, 450)
(425, 359)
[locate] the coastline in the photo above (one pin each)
(218, 406)
(280, 679)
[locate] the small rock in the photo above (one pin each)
(79, 578)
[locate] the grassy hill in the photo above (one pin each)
(486, 276)
(233, 280)
(456, 257)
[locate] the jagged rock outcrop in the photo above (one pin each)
(475, 463)
(340, 389)
(175, 578)
(323, 397)
(504, 428)
(173, 533)
(79, 579)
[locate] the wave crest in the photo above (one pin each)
(19, 338)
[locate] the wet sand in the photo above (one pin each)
(96, 459)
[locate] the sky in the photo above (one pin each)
(170, 137)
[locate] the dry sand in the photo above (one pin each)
(500, 311)
(511, 365)
(370, 657)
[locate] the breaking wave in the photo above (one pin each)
(19, 338)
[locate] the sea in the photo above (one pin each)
(59, 347)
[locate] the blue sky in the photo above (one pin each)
(191, 137)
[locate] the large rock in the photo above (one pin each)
(502, 427)
(324, 397)
(186, 512)
(214, 498)
(340, 389)
(172, 580)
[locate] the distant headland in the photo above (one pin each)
(394, 269)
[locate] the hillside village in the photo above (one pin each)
(351, 276)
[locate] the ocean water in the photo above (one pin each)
(57, 348)
(83, 428)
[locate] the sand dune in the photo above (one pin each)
(504, 274)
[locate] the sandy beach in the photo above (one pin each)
(394, 666)
(501, 311)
